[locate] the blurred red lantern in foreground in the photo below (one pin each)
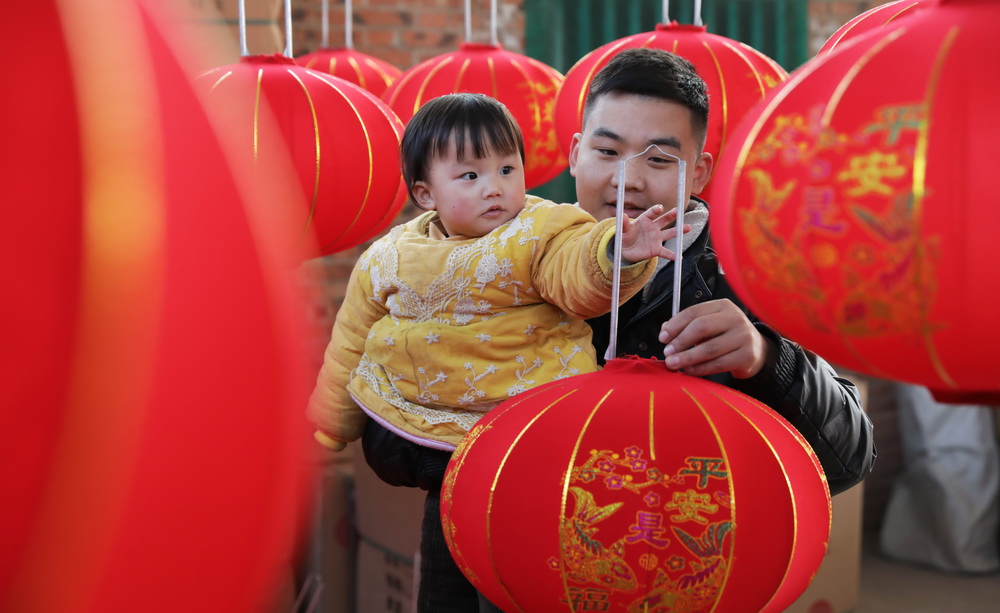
(152, 413)
(343, 142)
(636, 489)
(368, 72)
(737, 76)
(877, 17)
(526, 86)
(861, 205)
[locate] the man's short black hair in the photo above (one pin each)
(475, 120)
(654, 73)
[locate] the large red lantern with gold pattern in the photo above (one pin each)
(860, 204)
(343, 142)
(737, 76)
(876, 17)
(364, 70)
(153, 384)
(345, 62)
(636, 489)
(526, 86)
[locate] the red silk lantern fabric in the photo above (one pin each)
(737, 76)
(526, 86)
(152, 425)
(877, 17)
(364, 70)
(636, 489)
(342, 140)
(860, 211)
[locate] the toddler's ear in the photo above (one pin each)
(422, 196)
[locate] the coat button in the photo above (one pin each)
(697, 294)
(643, 346)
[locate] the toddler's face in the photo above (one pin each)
(473, 197)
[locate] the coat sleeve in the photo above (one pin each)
(338, 419)
(825, 408)
(573, 270)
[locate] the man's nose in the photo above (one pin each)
(635, 176)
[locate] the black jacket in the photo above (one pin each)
(800, 385)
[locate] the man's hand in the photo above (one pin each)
(714, 337)
(643, 237)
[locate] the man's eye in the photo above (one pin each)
(661, 161)
(607, 152)
(469, 176)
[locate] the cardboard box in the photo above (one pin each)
(326, 570)
(387, 520)
(837, 585)
(385, 582)
(388, 517)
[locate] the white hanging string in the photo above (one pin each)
(616, 275)
(468, 21)
(493, 23)
(325, 43)
(241, 11)
(666, 11)
(348, 25)
(288, 28)
(697, 13)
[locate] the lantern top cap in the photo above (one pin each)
(480, 47)
(673, 26)
(276, 58)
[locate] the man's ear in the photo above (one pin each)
(422, 196)
(574, 153)
(702, 172)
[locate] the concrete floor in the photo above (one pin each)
(889, 586)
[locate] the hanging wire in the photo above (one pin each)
(348, 25)
(288, 28)
(697, 13)
(468, 21)
(241, 11)
(666, 11)
(612, 350)
(493, 23)
(325, 43)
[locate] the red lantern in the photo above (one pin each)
(153, 417)
(877, 17)
(636, 489)
(860, 205)
(737, 77)
(343, 142)
(527, 86)
(364, 70)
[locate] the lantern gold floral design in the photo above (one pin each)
(636, 489)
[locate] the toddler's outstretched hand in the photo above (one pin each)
(643, 237)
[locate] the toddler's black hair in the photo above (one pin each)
(474, 121)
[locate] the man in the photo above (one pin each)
(649, 97)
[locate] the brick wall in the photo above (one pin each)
(405, 32)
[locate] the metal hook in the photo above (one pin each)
(619, 218)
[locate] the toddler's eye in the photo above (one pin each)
(469, 176)
(506, 170)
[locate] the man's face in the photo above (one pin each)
(620, 126)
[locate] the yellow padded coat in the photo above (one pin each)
(434, 332)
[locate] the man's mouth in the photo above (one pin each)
(629, 209)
